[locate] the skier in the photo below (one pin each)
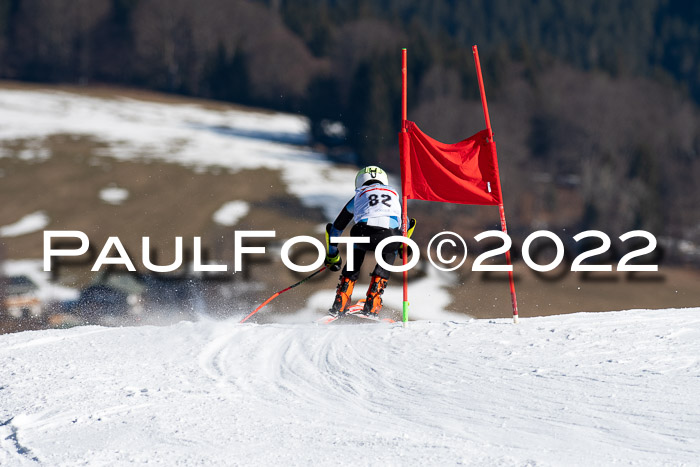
(376, 211)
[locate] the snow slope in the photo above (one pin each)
(582, 389)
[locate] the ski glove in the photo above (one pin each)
(409, 232)
(333, 261)
(411, 226)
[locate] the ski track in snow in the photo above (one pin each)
(583, 389)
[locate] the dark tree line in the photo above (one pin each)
(597, 92)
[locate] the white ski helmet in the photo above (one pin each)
(371, 173)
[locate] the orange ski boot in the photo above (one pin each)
(342, 296)
(373, 303)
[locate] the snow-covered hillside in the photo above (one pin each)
(186, 134)
(582, 389)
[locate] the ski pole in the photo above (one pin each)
(281, 292)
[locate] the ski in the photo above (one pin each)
(328, 319)
(354, 311)
(358, 314)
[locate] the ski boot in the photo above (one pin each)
(373, 303)
(342, 296)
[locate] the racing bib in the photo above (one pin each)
(375, 201)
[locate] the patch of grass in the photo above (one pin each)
(165, 200)
(487, 295)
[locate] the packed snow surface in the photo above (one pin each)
(30, 223)
(582, 389)
(230, 213)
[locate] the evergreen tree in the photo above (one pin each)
(227, 78)
(371, 116)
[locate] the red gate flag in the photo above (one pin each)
(464, 172)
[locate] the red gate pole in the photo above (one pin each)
(502, 212)
(404, 198)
